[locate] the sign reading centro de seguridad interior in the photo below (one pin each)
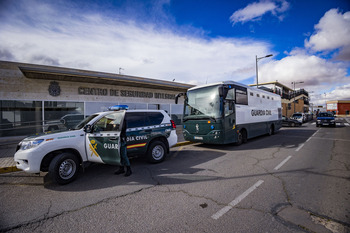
(123, 93)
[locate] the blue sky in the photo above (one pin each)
(189, 41)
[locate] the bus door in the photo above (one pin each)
(103, 140)
(229, 120)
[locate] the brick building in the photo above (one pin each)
(339, 107)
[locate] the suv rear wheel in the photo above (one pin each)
(156, 152)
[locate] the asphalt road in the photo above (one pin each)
(297, 180)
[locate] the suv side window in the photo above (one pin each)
(135, 119)
(110, 122)
(155, 118)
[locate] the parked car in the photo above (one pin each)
(290, 122)
(71, 120)
(149, 133)
(299, 116)
(325, 118)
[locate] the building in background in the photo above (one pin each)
(36, 98)
(339, 107)
(292, 100)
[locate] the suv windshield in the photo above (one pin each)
(203, 103)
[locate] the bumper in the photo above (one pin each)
(172, 139)
(28, 161)
(325, 123)
(206, 139)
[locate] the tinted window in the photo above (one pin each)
(155, 118)
(241, 96)
(135, 119)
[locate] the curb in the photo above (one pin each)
(14, 168)
(183, 143)
(9, 169)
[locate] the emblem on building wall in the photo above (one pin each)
(54, 89)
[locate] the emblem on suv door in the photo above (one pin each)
(197, 128)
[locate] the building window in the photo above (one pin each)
(20, 117)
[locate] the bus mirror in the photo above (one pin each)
(223, 90)
(179, 95)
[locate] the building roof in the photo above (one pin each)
(338, 101)
(33, 71)
(274, 83)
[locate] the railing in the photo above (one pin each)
(27, 128)
(285, 95)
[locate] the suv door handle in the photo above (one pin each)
(113, 139)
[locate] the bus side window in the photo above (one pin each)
(229, 109)
(230, 94)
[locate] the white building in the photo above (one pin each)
(33, 97)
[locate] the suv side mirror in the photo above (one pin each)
(88, 129)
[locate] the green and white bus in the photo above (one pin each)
(229, 112)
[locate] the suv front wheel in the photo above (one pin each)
(64, 168)
(156, 152)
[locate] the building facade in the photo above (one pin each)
(36, 98)
(339, 107)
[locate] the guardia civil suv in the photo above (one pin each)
(97, 139)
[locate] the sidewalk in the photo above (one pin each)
(8, 149)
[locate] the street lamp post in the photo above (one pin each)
(294, 91)
(256, 67)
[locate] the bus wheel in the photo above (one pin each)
(239, 138)
(64, 168)
(156, 152)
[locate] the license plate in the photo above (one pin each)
(325, 124)
(198, 138)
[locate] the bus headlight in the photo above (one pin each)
(25, 145)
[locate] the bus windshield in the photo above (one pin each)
(202, 103)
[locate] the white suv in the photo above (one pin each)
(97, 139)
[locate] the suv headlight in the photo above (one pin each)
(25, 145)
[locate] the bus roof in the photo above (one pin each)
(232, 83)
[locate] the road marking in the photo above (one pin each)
(282, 163)
(178, 151)
(224, 210)
(301, 146)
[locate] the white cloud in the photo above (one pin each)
(339, 93)
(316, 73)
(256, 10)
(97, 42)
(332, 32)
